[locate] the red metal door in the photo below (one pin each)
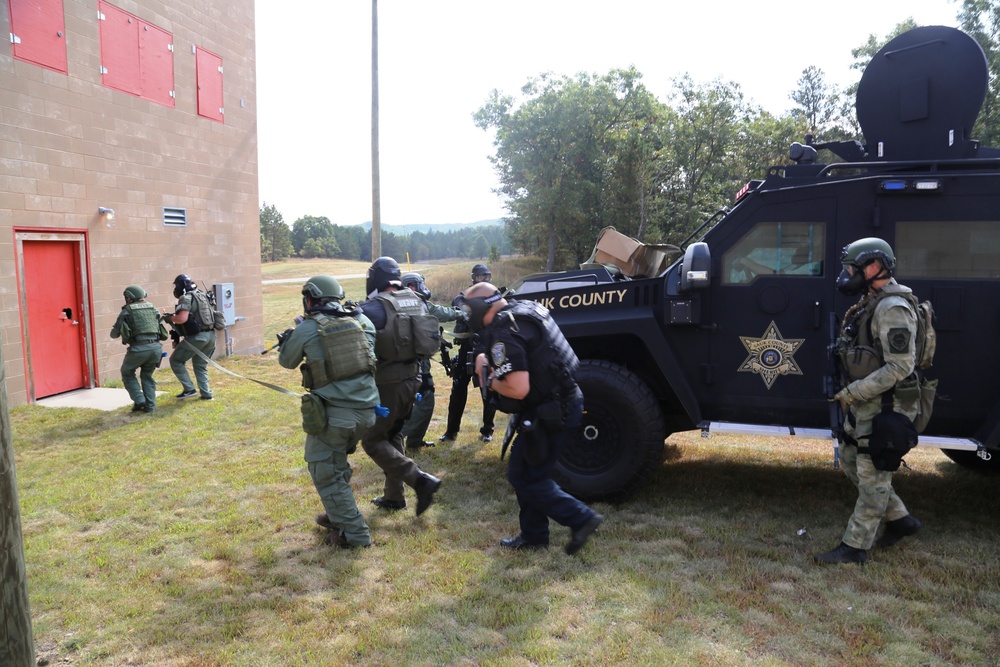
(56, 328)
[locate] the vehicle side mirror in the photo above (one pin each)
(696, 267)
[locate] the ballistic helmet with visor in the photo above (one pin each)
(481, 273)
(183, 284)
(134, 293)
(383, 272)
(414, 281)
(474, 308)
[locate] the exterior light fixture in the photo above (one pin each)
(108, 213)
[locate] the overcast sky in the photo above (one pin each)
(439, 59)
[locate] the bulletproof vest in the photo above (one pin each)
(552, 365)
(407, 328)
(345, 352)
(860, 352)
(144, 325)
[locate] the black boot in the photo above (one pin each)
(898, 529)
(842, 554)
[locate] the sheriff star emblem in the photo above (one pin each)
(771, 355)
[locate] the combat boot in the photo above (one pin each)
(842, 554)
(898, 529)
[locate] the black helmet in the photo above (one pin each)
(860, 254)
(134, 293)
(383, 272)
(481, 273)
(415, 282)
(182, 285)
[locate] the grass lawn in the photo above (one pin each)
(185, 538)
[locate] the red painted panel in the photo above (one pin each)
(120, 49)
(208, 66)
(41, 29)
(156, 64)
(55, 319)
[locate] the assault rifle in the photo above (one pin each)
(446, 360)
(832, 385)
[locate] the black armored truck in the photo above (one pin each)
(733, 336)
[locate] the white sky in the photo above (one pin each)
(439, 59)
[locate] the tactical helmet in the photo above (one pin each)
(856, 256)
(182, 284)
(415, 282)
(866, 250)
(474, 309)
(383, 272)
(134, 293)
(481, 272)
(323, 287)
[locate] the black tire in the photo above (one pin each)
(968, 459)
(621, 439)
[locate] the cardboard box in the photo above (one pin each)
(613, 247)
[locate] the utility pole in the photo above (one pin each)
(376, 195)
(17, 644)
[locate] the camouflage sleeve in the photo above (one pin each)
(895, 325)
(442, 313)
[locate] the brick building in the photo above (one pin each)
(145, 108)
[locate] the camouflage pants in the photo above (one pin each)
(876, 498)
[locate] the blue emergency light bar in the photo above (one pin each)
(904, 185)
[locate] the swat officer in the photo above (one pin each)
(140, 326)
(391, 307)
(877, 351)
(196, 338)
(338, 348)
(531, 370)
(416, 426)
(460, 376)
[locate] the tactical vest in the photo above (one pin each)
(410, 334)
(143, 323)
(345, 352)
(860, 352)
(552, 365)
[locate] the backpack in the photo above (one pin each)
(203, 315)
(926, 343)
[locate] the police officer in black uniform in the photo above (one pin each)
(460, 376)
(531, 368)
(398, 378)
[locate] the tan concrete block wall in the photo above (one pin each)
(69, 145)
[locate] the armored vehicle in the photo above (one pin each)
(733, 336)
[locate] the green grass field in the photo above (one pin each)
(186, 539)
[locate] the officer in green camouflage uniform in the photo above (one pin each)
(139, 325)
(416, 426)
(185, 319)
(338, 348)
(875, 364)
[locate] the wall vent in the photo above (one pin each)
(174, 217)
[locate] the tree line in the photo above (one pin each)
(574, 154)
(316, 236)
(578, 153)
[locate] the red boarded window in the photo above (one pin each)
(209, 73)
(37, 30)
(136, 57)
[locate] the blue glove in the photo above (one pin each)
(381, 411)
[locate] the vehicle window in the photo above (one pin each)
(776, 248)
(948, 249)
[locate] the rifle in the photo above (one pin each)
(832, 385)
(445, 357)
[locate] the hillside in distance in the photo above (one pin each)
(406, 230)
